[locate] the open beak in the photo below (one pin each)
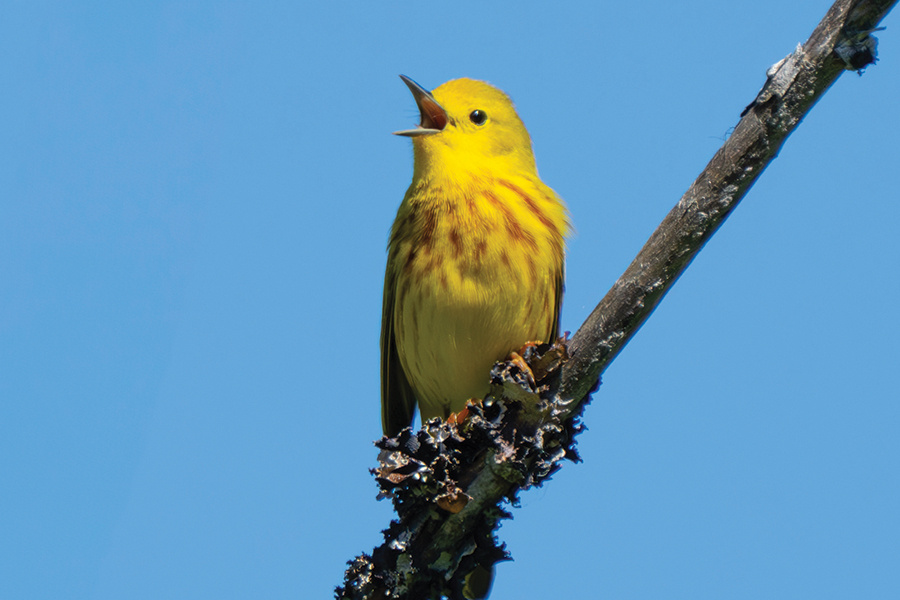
(434, 117)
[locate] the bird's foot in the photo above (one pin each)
(516, 359)
(460, 417)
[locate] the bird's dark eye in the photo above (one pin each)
(478, 117)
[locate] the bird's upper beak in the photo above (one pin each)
(434, 117)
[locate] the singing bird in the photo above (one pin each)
(476, 256)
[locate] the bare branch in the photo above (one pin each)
(793, 86)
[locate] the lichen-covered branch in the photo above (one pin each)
(449, 482)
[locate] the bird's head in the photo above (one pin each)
(467, 126)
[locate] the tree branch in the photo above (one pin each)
(448, 482)
(793, 86)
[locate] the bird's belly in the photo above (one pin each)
(450, 336)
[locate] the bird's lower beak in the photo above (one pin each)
(434, 117)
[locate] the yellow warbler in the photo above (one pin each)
(476, 255)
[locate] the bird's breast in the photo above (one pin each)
(477, 278)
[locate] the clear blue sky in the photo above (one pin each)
(194, 206)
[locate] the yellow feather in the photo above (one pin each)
(475, 258)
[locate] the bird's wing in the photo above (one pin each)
(558, 289)
(397, 399)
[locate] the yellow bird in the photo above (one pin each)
(476, 256)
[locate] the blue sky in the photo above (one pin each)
(195, 206)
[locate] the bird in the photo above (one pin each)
(476, 254)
